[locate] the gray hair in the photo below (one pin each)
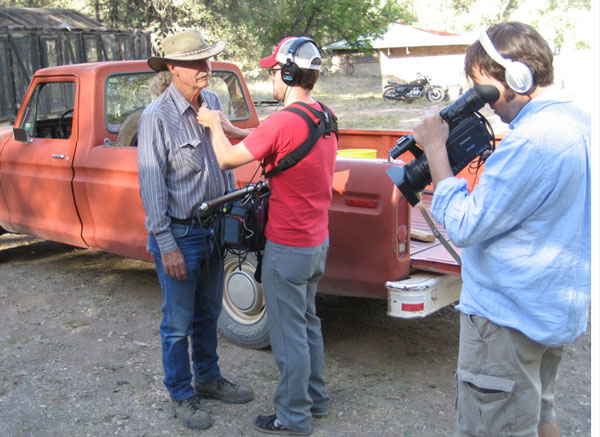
(159, 83)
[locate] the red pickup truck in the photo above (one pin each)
(65, 177)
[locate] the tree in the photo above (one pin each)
(562, 22)
(503, 9)
(257, 25)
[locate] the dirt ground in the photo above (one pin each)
(81, 357)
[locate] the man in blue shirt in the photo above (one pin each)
(525, 230)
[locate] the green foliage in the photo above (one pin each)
(561, 20)
(330, 21)
(461, 6)
(582, 45)
(507, 9)
(257, 25)
(564, 23)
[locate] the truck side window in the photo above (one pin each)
(226, 85)
(49, 112)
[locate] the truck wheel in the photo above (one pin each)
(243, 319)
(128, 132)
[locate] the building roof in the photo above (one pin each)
(401, 35)
(47, 18)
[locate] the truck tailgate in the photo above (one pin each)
(430, 256)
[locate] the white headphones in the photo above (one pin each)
(518, 75)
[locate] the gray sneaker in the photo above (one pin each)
(224, 390)
(189, 412)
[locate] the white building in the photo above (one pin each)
(403, 51)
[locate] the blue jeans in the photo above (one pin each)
(190, 309)
(290, 276)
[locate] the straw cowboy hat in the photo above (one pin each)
(185, 46)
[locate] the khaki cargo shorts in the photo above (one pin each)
(505, 381)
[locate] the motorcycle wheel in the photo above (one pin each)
(389, 94)
(436, 94)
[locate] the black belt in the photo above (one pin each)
(205, 222)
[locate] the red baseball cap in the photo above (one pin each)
(271, 61)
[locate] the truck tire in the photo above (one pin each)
(243, 319)
(128, 132)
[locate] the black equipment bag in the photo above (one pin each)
(245, 221)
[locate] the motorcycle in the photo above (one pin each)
(416, 89)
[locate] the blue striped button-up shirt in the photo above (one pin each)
(526, 225)
(177, 166)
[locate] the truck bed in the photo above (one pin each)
(430, 256)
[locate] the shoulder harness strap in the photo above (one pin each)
(320, 124)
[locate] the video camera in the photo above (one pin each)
(470, 136)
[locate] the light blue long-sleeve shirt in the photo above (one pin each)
(526, 225)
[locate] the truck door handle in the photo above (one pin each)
(58, 156)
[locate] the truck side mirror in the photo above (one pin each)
(21, 135)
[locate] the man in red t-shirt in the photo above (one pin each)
(297, 234)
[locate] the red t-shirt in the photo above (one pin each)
(300, 195)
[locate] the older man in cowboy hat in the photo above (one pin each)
(178, 171)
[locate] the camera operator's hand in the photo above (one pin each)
(431, 133)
